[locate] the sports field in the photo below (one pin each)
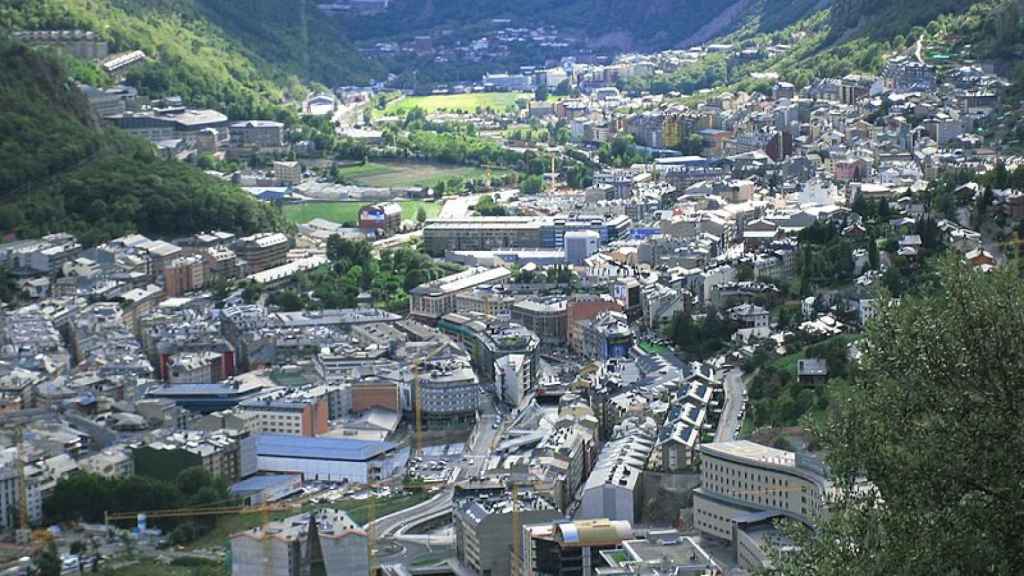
(405, 174)
(348, 212)
(452, 102)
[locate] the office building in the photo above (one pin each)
(608, 335)
(446, 392)
(581, 245)
(571, 547)
(741, 478)
(490, 233)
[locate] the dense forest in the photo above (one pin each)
(62, 172)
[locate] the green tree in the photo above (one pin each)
(933, 369)
(531, 185)
(541, 94)
(47, 561)
(421, 215)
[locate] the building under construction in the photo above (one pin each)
(322, 543)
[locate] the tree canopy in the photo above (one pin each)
(932, 420)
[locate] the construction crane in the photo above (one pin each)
(517, 529)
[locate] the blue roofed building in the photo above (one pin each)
(264, 489)
(322, 459)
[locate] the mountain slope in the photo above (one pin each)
(62, 172)
(242, 56)
(650, 25)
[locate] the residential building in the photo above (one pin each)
(606, 336)
(183, 275)
(263, 251)
(512, 376)
(430, 301)
(381, 220)
(326, 541)
(614, 490)
(488, 338)
(288, 415)
(257, 134)
(548, 318)
(484, 528)
(581, 245)
(288, 173)
(490, 300)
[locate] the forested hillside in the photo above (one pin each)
(63, 173)
(241, 56)
(655, 24)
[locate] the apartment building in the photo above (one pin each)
(431, 300)
(292, 416)
(263, 251)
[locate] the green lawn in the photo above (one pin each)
(452, 102)
(406, 174)
(348, 212)
(651, 347)
(359, 510)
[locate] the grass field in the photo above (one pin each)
(651, 347)
(348, 212)
(451, 102)
(405, 174)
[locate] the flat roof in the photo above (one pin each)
(286, 446)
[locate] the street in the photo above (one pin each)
(735, 400)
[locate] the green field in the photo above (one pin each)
(348, 212)
(407, 174)
(651, 347)
(452, 102)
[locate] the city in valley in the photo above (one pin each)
(394, 287)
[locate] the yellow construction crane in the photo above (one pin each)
(517, 529)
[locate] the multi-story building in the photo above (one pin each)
(84, 44)
(446, 392)
(490, 300)
(257, 134)
(11, 492)
(613, 489)
(263, 251)
(486, 233)
(547, 318)
(575, 548)
(217, 452)
(184, 274)
(586, 307)
(488, 338)
(288, 173)
(430, 301)
(606, 336)
(323, 542)
(512, 378)
(484, 528)
(381, 220)
(581, 245)
(156, 125)
(110, 463)
(293, 416)
(741, 477)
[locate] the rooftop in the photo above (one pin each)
(320, 448)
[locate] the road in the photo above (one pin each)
(735, 388)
